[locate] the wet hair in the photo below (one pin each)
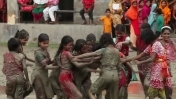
(42, 38)
(21, 34)
(79, 44)
(91, 37)
(145, 26)
(65, 40)
(166, 28)
(159, 11)
(108, 10)
(13, 44)
(106, 39)
(148, 36)
(120, 27)
(96, 47)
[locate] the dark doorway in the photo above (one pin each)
(66, 5)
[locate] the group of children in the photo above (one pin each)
(73, 63)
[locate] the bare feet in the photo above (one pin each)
(52, 22)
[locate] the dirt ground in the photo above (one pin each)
(135, 90)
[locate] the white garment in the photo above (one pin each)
(127, 39)
(49, 12)
(40, 1)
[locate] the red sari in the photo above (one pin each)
(3, 10)
(132, 14)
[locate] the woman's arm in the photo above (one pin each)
(92, 54)
(25, 69)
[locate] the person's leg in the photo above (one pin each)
(19, 92)
(82, 16)
(90, 13)
(46, 14)
(51, 13)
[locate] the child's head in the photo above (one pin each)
(134, 3)
(108, 12)
(159, 11)
(81, 46)
(96, 47)
(43, 41)
(141, 3)
(106, 40)
(163, 3)
(23, 36)
(148, 2)
(66, 44)
(145, 26)
(90, 39)
(148, 36)
(165, 32)
(14, 44)
(120, 30)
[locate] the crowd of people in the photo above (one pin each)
(74, 61)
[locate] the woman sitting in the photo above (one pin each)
(26, 5)
(48, 12)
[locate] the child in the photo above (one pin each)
(23, 36)
(15, 69)
(39, 75)
(110, 60)
(106, 21)
(66, 60)
(82, 75)
(122, 40)
(159, 69)
(170, 48)
(90, 40)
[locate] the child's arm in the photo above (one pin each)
(151, 59)
(133, 58)
(51, 67)
(25, 69)
(101, 20)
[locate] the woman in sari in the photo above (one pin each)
(164, 6)
(152, 15)
(26, 5)
(146, 10)
(132, 15)
(117, 14)
(39, 6)
(3, 10)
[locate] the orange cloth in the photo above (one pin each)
(166, 12)
(107, 24)
(132, 12)
(163, 59)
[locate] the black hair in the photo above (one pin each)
(159, 11)
(145, 26)
(43, 37)
(79, 44)
(106, 39)
(148, 36)
(96, 47)
(163, 1)
(108, 10)
(13, 44)
(120, 27)
(65, 40)
(166, 28)
(141, 1)
(91, 37)
(21, 34)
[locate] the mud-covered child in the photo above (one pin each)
(15, 70)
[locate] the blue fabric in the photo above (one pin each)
(152, 15)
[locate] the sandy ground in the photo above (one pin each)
(135, 90)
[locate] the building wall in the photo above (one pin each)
(55, 32)
(99, 10)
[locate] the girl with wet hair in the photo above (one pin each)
(160, 76)
(66, 61)
(39, 76)
(110, 62)
(23, 36)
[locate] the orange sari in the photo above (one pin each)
(166, 12)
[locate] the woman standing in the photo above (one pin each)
(26, 5)
(132, 15)
(164, 6)
(117, 14)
